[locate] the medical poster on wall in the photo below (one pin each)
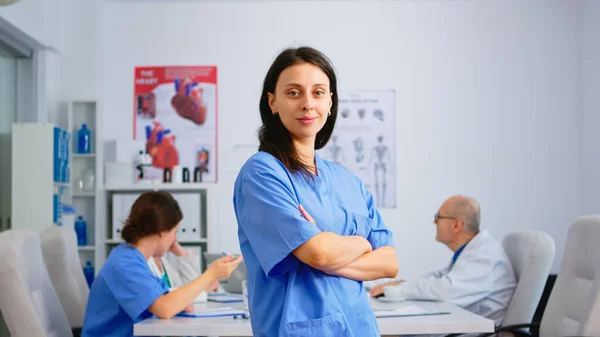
(175, 113)
(364, 141)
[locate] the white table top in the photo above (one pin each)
(459, 320)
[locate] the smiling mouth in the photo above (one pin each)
(307, 120)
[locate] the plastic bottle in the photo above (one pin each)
(88, 272)
(88, 179)
(81, 230)
(83, 139)
(68, 216)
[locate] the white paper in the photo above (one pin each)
(410, 310)
(202, 311)
(216, 312)
(224, 298)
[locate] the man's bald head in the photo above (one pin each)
(465, 209)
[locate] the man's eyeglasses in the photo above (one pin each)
(437, 216)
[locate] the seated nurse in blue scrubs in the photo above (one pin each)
(125, 290)
(308, 228)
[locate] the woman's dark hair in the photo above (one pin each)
(152, 213)
(274, 138)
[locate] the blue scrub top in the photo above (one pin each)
(121, 294)
(286, 296)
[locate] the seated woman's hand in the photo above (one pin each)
(223, 267)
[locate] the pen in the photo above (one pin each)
(225, 253)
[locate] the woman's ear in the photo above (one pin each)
(271, 99)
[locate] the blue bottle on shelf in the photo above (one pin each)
(83, 139)
(88, 272)
(81, 230)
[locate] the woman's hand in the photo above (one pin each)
(223, 267)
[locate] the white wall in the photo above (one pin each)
(590, 79)
(68, 27)
(487, 97)
(36, 18)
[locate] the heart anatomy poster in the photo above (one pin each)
(175, 114)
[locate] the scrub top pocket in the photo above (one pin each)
(362, 225)
(329, 326)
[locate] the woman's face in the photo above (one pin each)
(165, 241)
(302, 99)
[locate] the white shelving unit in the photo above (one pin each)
(85, 196)
(206, 192)
(160, 187)
(40, 174)
(96, 204)
(194, 242)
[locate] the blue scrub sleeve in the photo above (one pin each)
(379, 235)
(268, 214)
(135, 288)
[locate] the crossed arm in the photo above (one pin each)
(347, 256)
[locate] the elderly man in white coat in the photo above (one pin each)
(479, 277)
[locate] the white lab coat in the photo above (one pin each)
(482, 280)
(184, 271)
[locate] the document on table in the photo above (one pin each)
(407, 311)
(225, 298)
(216, 312)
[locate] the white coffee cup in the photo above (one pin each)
(393, 292)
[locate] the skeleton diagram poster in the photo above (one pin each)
(364, 139)
(175, 113)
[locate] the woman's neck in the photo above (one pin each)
(146, 246)
(158, 264)
(306, 151)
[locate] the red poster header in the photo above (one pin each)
(148, 78)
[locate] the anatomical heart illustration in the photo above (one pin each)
(175, 114)
(188, 101)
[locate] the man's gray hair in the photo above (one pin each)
(469, 212)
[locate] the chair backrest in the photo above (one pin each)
(29, 303)
(59, 246)
(573, 308)
(531, 254)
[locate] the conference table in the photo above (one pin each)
(442, 318)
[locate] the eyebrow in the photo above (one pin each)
(300, 86)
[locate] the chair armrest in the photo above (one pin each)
(514, 329)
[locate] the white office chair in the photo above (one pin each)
(573, 308)
(29, 303)
(531, 254)
(59, 246)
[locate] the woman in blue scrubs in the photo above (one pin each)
(126, 291)
(308, 228)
